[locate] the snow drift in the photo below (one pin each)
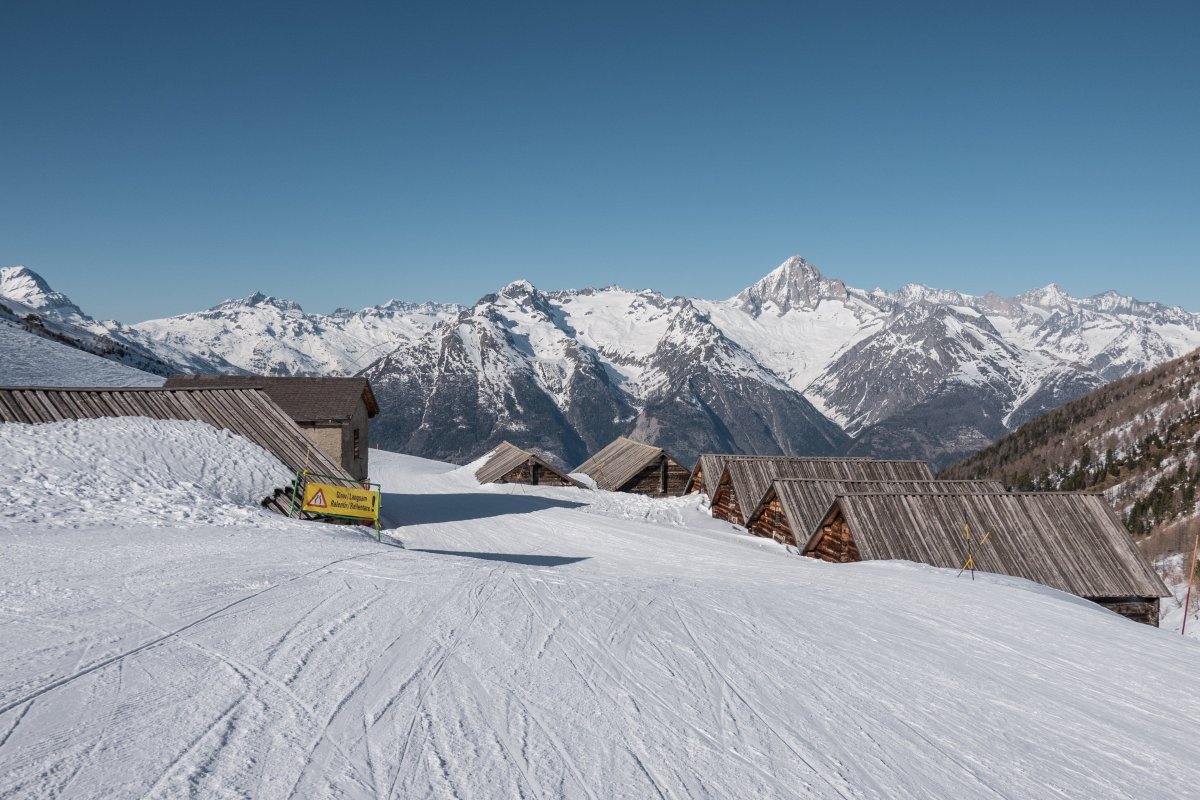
(133, 471)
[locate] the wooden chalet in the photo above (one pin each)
(744, 482)
(1071, 542)
(249, 413)
(707, 472)
(793, 505)
(510, 464)
(333, 412)
(635, 467)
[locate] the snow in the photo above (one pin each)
(531, 642)
(30, 360)
(82, 473)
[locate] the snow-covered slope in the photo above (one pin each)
(93, 472)
(27, 300)
(544, 643)
(30, 360)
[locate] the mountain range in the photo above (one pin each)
(796, 363)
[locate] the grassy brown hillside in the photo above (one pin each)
(1136, 439)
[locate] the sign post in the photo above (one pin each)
(340, 501)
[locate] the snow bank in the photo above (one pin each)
(132, 471)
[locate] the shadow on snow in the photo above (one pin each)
(422, 509)
(512, 558)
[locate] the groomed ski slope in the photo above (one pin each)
(558, 643)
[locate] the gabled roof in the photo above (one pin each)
(1072, 542)
(250, 413)
(751, 478)
(507, 457)
(620, 461)
(710, 466)
(304, 399)
(806, 501)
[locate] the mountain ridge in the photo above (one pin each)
(795, 362)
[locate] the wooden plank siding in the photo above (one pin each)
(799, 504)
(1071, 542)
(249, 413)
(745, 481)
(626, 465)
(510, 464)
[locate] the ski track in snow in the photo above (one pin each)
(547, 643)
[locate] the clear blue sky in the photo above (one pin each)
(158, 157)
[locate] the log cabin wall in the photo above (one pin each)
(725, 504)
(1138, 609)
(661, 478)
(836, 543)
(548, 477)
(521, 474)
(772, 523)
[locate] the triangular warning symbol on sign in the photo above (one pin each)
(318, 500)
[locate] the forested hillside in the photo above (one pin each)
(1136, 439)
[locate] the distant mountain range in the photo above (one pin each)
(795, 363)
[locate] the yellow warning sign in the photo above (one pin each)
(342, 501)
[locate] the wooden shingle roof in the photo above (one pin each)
(752, 477)
(806, 501)
(619, 462)
(303, 399)
(250, 413)
(710, 466)
(507, 457)
(1072, 542)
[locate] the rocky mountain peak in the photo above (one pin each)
(794, 284)
(23, 285)
(1050, 296)
(260, 300)
(518, 289)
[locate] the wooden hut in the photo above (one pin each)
(744, 482)
(333, 412)
(510, 464)
(249, 413)
(1071, 542)
(707, 472)
(635, 467)
(799, 504)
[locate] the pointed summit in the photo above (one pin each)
(258, 299)
(24, 286)
(794, 284)
(518, 289)
(1049, 296)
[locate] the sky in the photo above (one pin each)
(157, 158)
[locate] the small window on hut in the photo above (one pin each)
(356, 448)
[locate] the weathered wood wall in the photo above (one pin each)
(836, 543)
(725, 504)
(1138, 609)
(772, 523)
(650, 480)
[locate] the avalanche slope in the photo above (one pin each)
(556, 643)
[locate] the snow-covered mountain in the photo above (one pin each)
(796, 363)
(266, 335)
(27, 301)
(918, 373)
